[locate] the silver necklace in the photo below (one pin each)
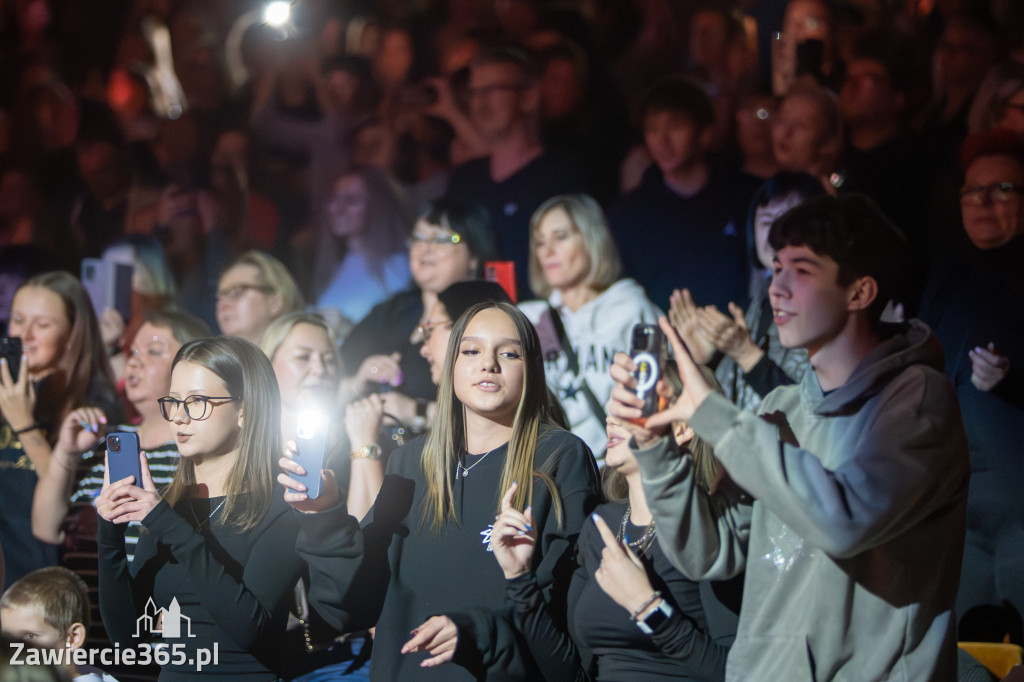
(200, 524)
(461, 471)
(641, 544)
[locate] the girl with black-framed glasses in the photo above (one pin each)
(219, 540)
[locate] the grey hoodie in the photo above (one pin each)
(853, 541)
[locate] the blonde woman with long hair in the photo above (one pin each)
(219, 542)
(424, 548)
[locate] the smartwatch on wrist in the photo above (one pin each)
(655, 619)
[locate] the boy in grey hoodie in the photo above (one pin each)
(858, 475)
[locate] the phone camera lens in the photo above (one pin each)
(115, 444)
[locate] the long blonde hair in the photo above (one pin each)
(250, 379)
(447, 438)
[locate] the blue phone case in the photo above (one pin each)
(311, 441)
(123, 456)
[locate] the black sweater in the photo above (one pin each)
(385, 330)
(601, 634)
(397, 573)
(235, 587)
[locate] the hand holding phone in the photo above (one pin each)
(123, 456)
(10, 350)
(648, 351)
(18, 397)
(311, 441)
(124, 460)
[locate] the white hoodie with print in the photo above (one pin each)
(598, 330)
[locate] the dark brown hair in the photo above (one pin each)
(852, 231)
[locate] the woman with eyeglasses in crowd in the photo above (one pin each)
(62, 366)
(62, 506)
(424, 547)
(451, 241)
(219, 540)
(252, 292)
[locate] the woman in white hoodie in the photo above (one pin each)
(589, 312)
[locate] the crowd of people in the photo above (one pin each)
(417, 239)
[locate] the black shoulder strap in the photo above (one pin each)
(574, 365)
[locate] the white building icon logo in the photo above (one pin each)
(163, 622)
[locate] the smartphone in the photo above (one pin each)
(504, 273)
(311, 440)
(123, 456)
(10, 349)
(109, 285)
(648, 351)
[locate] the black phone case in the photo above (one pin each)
(10, 349)
(124, 461)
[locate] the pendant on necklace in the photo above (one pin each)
(464, 470)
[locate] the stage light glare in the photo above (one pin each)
(277, 13)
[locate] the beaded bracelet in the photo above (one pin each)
(643, 607)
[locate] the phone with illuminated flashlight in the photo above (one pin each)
(123, 456)
(311, 455)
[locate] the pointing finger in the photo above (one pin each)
(606, 533)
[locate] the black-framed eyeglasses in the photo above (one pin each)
(196, 406)
(997, 193)
(443, 239)
(236, 292)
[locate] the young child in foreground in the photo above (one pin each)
(49, 609)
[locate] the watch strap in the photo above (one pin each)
(656, 618)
